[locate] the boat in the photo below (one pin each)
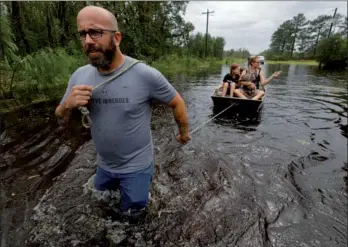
(245, 105)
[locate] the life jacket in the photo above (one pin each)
(255, 77)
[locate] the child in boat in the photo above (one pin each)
(248, 89)
(231, 81)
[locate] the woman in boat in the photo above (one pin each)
(257, 76)
(250, 86)
(231, 81)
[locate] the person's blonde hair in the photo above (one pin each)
(252, 59)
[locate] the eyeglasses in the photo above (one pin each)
(93, 33)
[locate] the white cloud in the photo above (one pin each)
(250, 25)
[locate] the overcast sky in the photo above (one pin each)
(250, 24)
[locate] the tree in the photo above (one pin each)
(281, 38)
(8, 49)
(299, 37)
(300, 24)
(318, 30)
(332, 52)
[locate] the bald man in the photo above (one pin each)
(120, 110)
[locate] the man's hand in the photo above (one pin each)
(79, 96)
(183, 139)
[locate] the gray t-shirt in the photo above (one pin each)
(121, 113)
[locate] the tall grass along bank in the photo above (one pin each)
(44, 75)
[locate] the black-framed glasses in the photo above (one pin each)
(93, 33)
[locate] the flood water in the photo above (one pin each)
(300, 135)
(291, 159)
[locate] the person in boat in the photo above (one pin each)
(231, 81)
(120, 112)
(257, 75)
(248, 89)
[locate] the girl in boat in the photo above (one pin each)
(231, 81)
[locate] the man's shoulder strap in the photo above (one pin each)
(118, 74)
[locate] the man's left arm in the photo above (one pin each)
(180, 116)
(163, 91)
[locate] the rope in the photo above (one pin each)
(200, 126)
(196, 129)
(86, 120)
(168, 119)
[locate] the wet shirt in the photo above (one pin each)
(121, 113)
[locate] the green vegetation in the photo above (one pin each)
(39, 48)
(244, 60)
(332, 52)
(322, 40)
(237, 54)
(175, 64)
(303, 62)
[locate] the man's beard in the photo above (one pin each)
(106, 57)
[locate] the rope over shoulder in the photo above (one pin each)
(86, 119)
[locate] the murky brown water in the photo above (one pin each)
(274, 180)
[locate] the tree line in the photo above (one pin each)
(239, 53)
(38, 40)
(300, 38)
(150, 29)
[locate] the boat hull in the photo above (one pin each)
(245, 105)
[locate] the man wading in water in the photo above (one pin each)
(120, 110)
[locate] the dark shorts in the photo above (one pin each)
(134, 187)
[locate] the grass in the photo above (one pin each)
(300, 62)
(178, 64)
(229, 61)
(40, 76)
(45, 74)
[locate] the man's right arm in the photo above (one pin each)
(74, 97)
(63, 112)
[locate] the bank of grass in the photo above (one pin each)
(300, 62)
(45, 74)
(173, 64)
(229, 61)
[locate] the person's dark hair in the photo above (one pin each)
(233, 67)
